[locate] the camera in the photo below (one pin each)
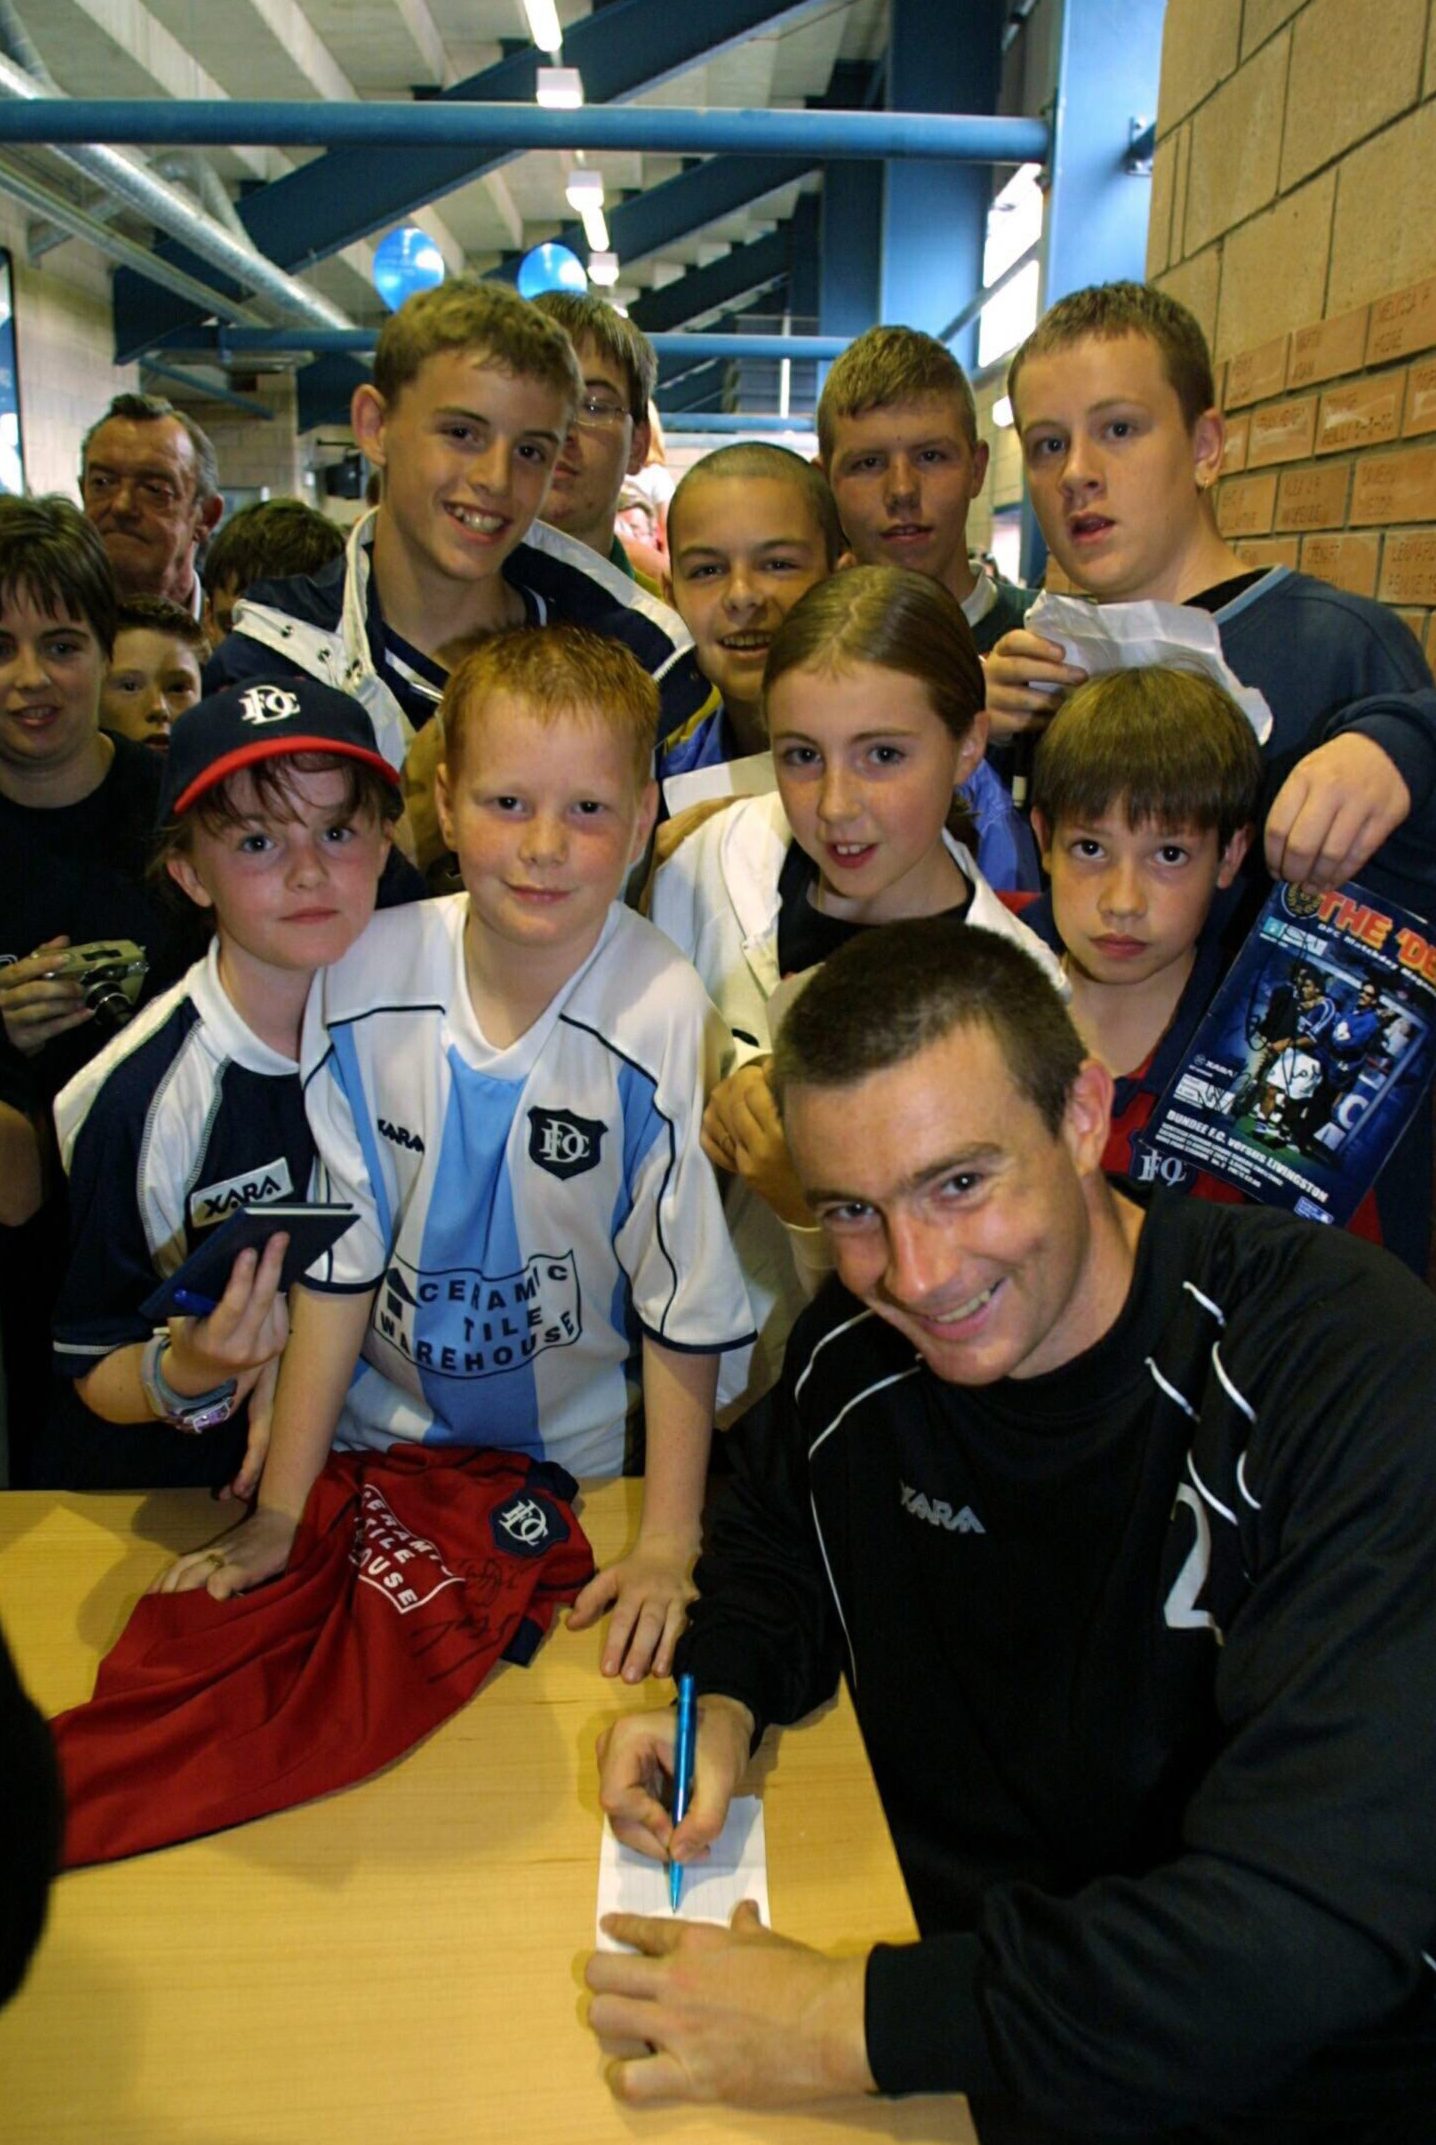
(110, 973)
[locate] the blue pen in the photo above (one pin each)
(185, 1299)
(682, 1777)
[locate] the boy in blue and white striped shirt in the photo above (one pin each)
(508, 1084)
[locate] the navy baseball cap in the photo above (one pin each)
(264, 719)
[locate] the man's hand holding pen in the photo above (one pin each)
(637, 1759)
(696, 2012)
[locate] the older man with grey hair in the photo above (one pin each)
(149, 481)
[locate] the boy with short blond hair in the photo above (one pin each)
(508, 1085)
(897, 439)
(473, 396)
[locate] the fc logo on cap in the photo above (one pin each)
(268, 703)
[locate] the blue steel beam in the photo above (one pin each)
(669, 383)
(1095, 229)
(326, 389)
(622, 48)
(704, 384)
(850, 248)
(688, 382)
(235, 342)
(705, 290)
(470, 129)
(721, 185)
(249, 403)
(805, 241)
(934, 214)
(983, 298)
(733, 421)
(648, 222)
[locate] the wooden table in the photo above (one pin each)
(402, 1960)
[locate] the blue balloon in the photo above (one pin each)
(405, 262)
(550, 267)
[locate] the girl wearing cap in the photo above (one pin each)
(275, 821)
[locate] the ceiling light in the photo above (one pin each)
(544, 26)
(1002, 413)
(559, 89)
(595, 230)
(603, 268)
(585, 190)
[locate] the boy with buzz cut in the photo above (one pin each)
(473, 396)
(897, 440)
(1115, 408)
(751, 528)
(1146, 789)
(508, 1085)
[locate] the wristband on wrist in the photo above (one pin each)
(192, 1414)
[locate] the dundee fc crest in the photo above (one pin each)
(563, 1144)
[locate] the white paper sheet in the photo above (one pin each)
(737, 1869)
(1098, 637)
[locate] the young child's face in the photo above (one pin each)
(904, 477)
(51, 671)
(743, 550)
(545, 818)
(598, 452)
(1113, 467)
(153, 678)
(219, 603)
(467, 452)
(289, 893)
(1129, 902)
(866, 769)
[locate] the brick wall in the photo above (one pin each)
(1331, 453)
(254, 454)
(1290, 193)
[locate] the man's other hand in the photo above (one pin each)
(702, 2013)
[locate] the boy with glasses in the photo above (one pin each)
(610, 434)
